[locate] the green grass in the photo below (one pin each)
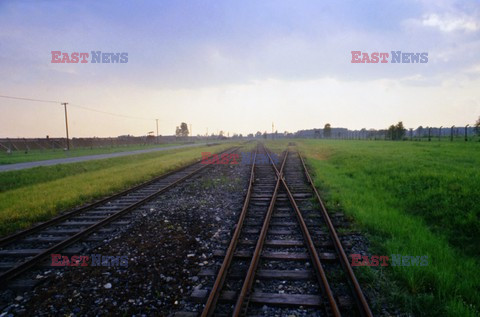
(41, 155)
(411, 198)
(37, 194)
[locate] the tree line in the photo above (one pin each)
(394, 131)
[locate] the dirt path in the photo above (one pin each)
(21, 166)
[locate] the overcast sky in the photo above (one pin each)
(237, 66)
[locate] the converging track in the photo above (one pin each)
(282, 255)
(22, 251)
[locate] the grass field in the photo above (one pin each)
(411, 198)
(37, 194)
(41, 155)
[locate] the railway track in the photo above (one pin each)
(25, 250)
(284, 253)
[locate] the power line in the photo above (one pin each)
(109, 113)
(29, 99)
(77, 106)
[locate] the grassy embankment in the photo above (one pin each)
(50, 154)
(37, 194)
(411, 198)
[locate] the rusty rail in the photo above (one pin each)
(222, 274)
(26, 265)
(357, 291)
(321, 276)
(20, 234)
(247, 284)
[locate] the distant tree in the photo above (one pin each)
(396, 132)
(258, 134)
(265, 135)
(327, 130)
(477, 126)
(391, 132)
(316, 134)
(400, 131)
(250, 135)
(182, 130)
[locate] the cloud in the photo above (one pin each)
(474, 69)
(451, 23)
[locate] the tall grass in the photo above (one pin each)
(412, 199)
(40, 193)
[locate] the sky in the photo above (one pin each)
(236, 66)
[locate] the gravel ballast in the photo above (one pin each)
(167, 243)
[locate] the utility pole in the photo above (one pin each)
(157, 129)
(466, 136)
(191, 133)
(66, 124)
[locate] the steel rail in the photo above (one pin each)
(321, 275)
(358, 294)
(16, 236)
(24, 266)
(212, 300)
(247, 285)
